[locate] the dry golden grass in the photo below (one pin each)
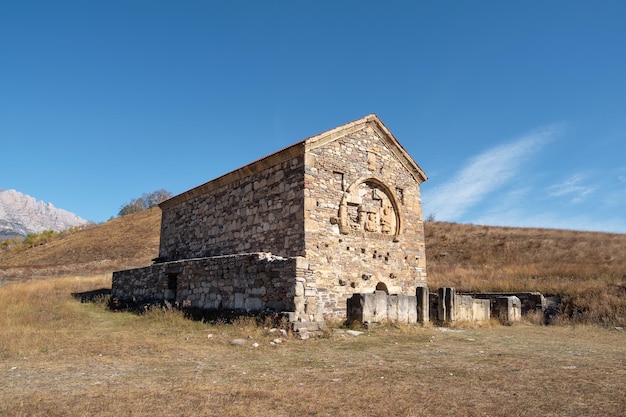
(60, 357)
(495, 252)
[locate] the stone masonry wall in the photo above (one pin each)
(363, 221)
(251, 282)
(257, 210)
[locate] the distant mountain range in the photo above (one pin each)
(21, 214)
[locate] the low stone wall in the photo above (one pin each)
(378, 307)
(471, 309)
(247, 282)
(446, 305)
(530, 301)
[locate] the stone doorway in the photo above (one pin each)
(172, 287)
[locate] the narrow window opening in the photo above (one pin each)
(339, 180)
(400, 194)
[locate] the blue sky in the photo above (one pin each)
(515, 110)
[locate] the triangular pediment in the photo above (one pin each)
(370, 121)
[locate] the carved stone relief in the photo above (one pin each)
(368, 207)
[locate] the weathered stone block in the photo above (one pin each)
(423, 308)
(481, 310)
(253, 304)
(301, 262)
(446, 305)
(299, 289)
(509, 309)
(393, 313)
(407, 308)
(379, 307)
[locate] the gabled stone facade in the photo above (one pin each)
(300, 230)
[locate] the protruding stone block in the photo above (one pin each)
(253, 304)
(301, 263)
(239, 301)
(509, 309)
(446, 308)
(405, 309)
(380, 307)
(299, 289)
(422, 308)
(481, 310)
(393, 311)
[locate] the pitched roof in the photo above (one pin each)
(388, 138)
(298, 149)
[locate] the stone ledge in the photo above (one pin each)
(311, 326)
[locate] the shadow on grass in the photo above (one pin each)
(92, 296)
(265, 318)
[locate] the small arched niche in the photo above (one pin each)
(381, 286)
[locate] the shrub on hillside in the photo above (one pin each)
(36, 239)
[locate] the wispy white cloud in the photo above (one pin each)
(483, 174)
(573, 187)
(614, 196)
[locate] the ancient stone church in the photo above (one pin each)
(299, 231)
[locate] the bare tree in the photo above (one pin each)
(146, 201)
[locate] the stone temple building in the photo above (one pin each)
(299, 231)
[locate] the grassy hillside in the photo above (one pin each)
(123, 242)
(483, 257)
(587, 269)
